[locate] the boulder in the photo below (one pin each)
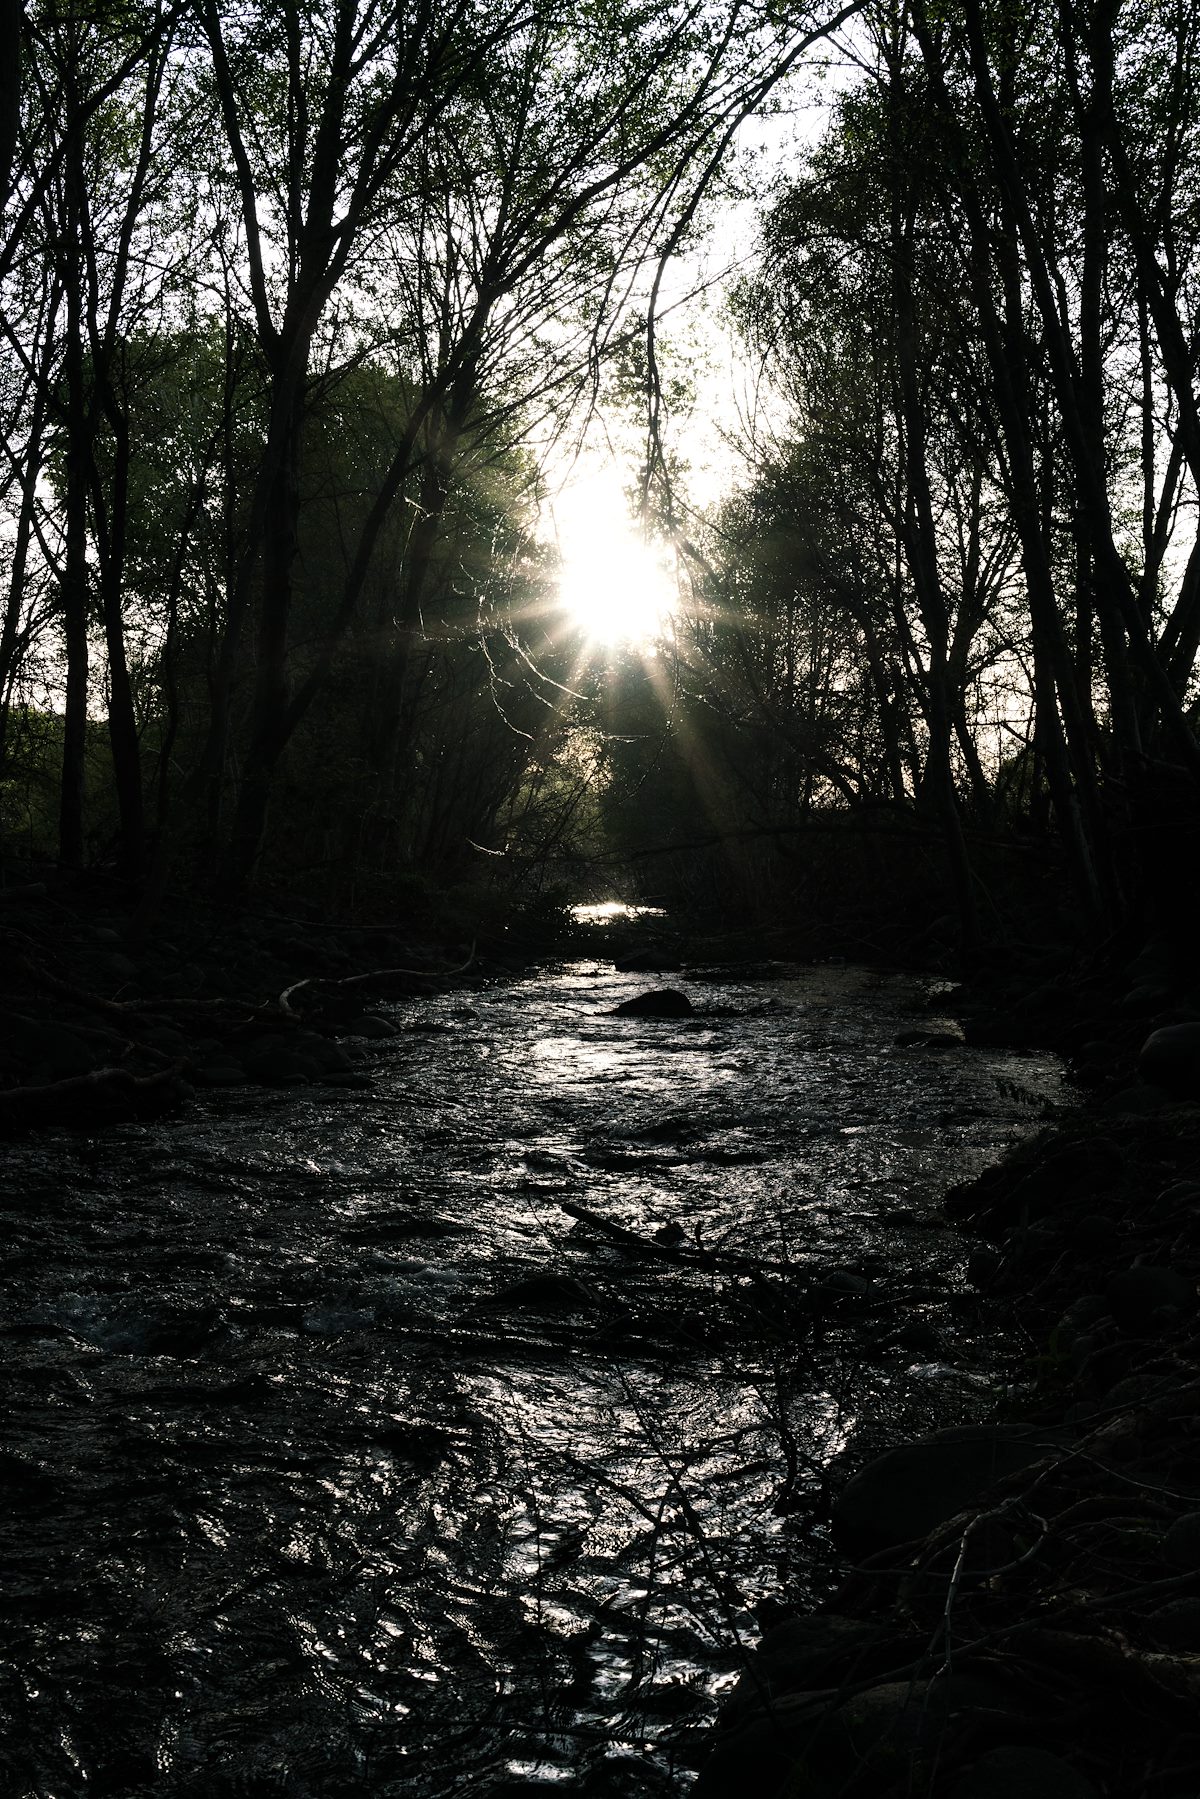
(910, 1490)
(1145, 1299)
(1042, 1179)
(662, 1002)
(1170, 1059)
(1017, 1769)
(673, 1128)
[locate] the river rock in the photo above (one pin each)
(328, 1058)
(1145, 1299)
(891, 1722)
(1019, 1771)
(1181, 1545)
(918, 1333)
(1146, 997)
(807, 1749)
(1094, 1231)
(218, 1074)
(759, 1756)
(983, 1265)
(1170, 1059)
(1079, 1321)
(277, 1065)
(286, 1057)
(372, 1025)
(1156, 961)
(662, 1002)
(837, 1289)
(1176, 1624)
(1138, 1100)
(802, 1653)
(1178, 1194)
(910, 1490)
(1042, 1180)
(44, 1051)
(542, 1293)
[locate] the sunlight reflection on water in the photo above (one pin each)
(608, 911)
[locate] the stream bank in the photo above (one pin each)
(1020, 1613)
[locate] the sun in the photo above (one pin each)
(614, 587)
(616, 592)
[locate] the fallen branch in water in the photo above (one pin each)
(620, 1233)
(374, 974)
(698, 1257)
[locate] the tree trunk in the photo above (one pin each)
(122, 716)
(269, 707)
(74, 585)
(920, 543)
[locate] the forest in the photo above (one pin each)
(443, 1362)
(300, 302)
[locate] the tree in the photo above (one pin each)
(980, 368)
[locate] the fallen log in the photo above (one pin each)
(103, 1096)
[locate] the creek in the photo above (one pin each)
(341, 1459)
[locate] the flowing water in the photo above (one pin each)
(344, 1458)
